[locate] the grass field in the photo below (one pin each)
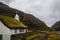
(50, 36)
(53, 36)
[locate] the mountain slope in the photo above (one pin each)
(6, 10)
(56, 26)
(33, 22)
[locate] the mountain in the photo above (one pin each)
(31, 21)
(6, 10)
(56, 26)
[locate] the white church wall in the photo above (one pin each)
(19, 31)
(6, 37)
(4, 29)
(6, 32)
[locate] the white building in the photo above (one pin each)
(9, 26)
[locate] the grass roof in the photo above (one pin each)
(11, 22)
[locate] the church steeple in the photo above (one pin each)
(17, 17)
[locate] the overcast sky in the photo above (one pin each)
(46, 10)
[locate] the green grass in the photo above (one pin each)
(11, 22)
(32, 36)
(51, 35)
(54, 37)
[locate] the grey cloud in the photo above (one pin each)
(6, 1)
(56, 9)
(52, 9)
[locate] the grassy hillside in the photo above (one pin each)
(44, 36)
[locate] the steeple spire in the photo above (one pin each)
(17, 17)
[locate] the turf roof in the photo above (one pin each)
(11, 22)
